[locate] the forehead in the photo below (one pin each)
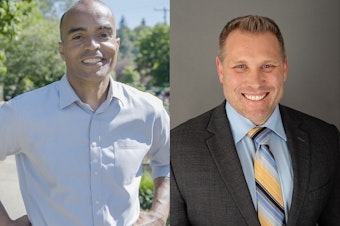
(245, 41)
(238, 37)
(87, 16)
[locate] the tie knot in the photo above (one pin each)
(260, 135)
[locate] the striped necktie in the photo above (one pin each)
(268, 189)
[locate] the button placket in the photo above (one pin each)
(95, 164)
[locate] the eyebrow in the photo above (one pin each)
(76, 29)
(105, 27)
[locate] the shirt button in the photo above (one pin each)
(96, 173)
(94, 144)
(97, 202)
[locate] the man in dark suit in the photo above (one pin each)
(214, 180)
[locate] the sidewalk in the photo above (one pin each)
(10, 194)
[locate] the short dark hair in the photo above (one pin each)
(252, 24)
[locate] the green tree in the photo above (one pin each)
(128, 48)
(130, 76)
(32, 59)
(153, 58)
(126, 43)
(125, 55)
(122, 23)
(54, 9)
(143, 22)
(139, 31)
(12, 15)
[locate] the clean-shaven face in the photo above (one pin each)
(89, 46)
(253, 74)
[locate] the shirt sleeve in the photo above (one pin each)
(159, 153)
(8, 131)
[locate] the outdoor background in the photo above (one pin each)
(29, 56)
(311, 32)
(29, 59)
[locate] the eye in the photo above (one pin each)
(77, 37)
(240, 68)
(268, 67)
(105, 35)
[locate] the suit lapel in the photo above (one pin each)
(298, 145)
(223, 151)
(222, 148)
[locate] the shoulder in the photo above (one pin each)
(197, 123)
(34, 99)
(195, 128)
(136, 98)
(315, 127)
(28, 107)
(306, 120)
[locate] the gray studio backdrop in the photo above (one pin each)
(311, 32)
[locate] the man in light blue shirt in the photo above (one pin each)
(246, 152)
(80, 142)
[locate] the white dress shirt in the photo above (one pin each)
(80, 167)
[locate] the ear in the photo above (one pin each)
(285, 69)
(61, 50)
(219, 68)
(118, 42)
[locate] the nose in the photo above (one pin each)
(92, 43)
(256, 79)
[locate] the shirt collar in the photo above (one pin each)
(116, 91)
(66, 93)
(241, 125)
(68, 96)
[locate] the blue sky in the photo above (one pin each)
(135, 10)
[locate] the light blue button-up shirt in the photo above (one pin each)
(79, 167)
(246, 151)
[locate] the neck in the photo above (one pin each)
(93, 93)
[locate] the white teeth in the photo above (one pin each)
(92, 61)
(255, 98)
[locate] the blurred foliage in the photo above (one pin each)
(29, 57)
(3, 68)
(130, 76)
(12, 15)
(153, 57)
(126, 43)
(33, 59)
(54, 9)
(146, 191)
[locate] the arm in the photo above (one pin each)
(159, 156)
(6, 221)
(159, 212)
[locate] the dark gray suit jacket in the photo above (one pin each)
(208, 187)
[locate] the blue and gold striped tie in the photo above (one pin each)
(268, 189)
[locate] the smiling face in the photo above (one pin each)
(253, 73)
(89, 45)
